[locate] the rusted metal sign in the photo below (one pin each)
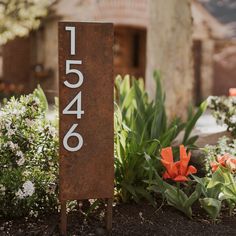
(86, 110)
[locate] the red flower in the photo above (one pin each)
(177, 171)
(226, 160)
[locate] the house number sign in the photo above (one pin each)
(77, 99)
(86, 112)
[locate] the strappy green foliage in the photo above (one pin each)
(142, 127)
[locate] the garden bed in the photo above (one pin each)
(148, 165)
(128, 219)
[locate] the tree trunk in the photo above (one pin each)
(169, 49)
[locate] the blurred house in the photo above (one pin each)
(214, 47)
(32, 60)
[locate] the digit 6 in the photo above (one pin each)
(70, 134)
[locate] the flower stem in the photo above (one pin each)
(178, 188)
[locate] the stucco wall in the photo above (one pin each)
(207, 68)
(169, 49)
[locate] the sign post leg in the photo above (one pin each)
(109, 216)
(63, 225)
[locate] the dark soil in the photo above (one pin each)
(130, 219)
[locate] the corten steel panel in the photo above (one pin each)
(89, 172)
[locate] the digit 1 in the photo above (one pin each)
(72, 38)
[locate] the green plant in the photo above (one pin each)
(28, 157)
(224, 110)
(220, 187)
(130, 161)
(174, 195)
(146, 118)
(178, 172)
(224, 146)
(142, 128)
(192, 119)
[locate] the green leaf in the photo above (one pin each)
(211, 206)
(191, 123)
(42, 97)
(159, 93)
(192, 140)
(194, 196)
(146, 195)
(168, 137)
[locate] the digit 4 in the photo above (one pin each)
(78, 111)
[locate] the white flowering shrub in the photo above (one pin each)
(224, 110)
(28, 157)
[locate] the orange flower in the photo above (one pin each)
(226, 160)
(232, 92)
(177, 171)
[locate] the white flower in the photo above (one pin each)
(20, 194)
(33, 213)
(221, 196)
(51, 188)
(20, 111)
(29, 122)
(28, 187)
(2, 189)
(19, 154)
(28, 190)
(21, 161)
(16, 112)
(23, 109)
(10, 132)
(52, 131)
(36, 100)
(12, 145)
(8, 125)
(40, 149)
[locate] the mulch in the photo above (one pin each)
(128, 219)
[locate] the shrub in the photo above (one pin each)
(28, 157)
(224, 110)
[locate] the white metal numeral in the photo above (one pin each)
(70, 134)
(77, 99)
(75, 71)
(72, 38)
(78, 111)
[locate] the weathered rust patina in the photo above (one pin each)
(89, 172)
